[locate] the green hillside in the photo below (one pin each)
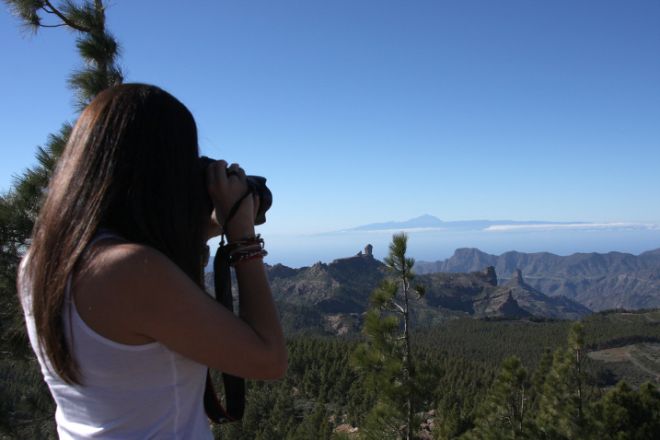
(321, 391)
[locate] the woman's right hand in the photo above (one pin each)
(225, 190)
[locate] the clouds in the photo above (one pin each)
(430, 224)
(548, 227)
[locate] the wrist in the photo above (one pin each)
(244, 250)
(240, 233)
(249, 260)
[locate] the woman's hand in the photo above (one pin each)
(226, 186)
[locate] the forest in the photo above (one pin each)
(471, 374)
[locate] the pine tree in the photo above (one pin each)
(99, 52)
(386, 357)
(562, 405)
(504, 412)
(450, 423)
(538, 380)
(314, 426)
(627, 414)
(20, 205)
(27, 399)
(96, 45)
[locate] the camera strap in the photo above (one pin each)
(233, 211)
(234, 386)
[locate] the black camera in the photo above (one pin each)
(256, 185)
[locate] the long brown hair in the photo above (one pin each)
(131, 165)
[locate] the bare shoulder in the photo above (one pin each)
(129, 268)
(121, 259)
(138, 295)
(120, 284)
(133, 276)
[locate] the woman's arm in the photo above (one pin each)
(134, 294)
(256, 306)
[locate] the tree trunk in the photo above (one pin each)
(578, 362)
(408, 362)
(522, 408)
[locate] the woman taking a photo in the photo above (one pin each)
(112, 285)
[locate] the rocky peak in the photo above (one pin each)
(317, 268)
(280, 271)
(511, 309)
(490, 275)
(517, 278)
(368, 252)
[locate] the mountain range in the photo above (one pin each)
(333, 297)
(597, 281)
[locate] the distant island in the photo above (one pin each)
(429, 222)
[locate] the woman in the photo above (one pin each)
(112, 286)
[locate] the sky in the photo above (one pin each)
(363, 111)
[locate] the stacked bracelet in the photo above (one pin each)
(249, 256)
(246, 249)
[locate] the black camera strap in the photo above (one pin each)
(234, 386)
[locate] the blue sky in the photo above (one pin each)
(367, 111)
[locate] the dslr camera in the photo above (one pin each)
(256, 185)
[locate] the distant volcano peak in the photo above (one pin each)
(427, 217)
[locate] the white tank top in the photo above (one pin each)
(127, 391)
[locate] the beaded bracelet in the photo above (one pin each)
(248, 248)
(248, 241)
(247, 256)
(245, 249)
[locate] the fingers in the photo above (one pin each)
(235, 170)
(220, 175)
(216, 175)
(226, 185)
(241, 174)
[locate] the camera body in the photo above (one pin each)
(256, 185)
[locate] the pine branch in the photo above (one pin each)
(397, 307)
(52, 25)
(64, 19)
